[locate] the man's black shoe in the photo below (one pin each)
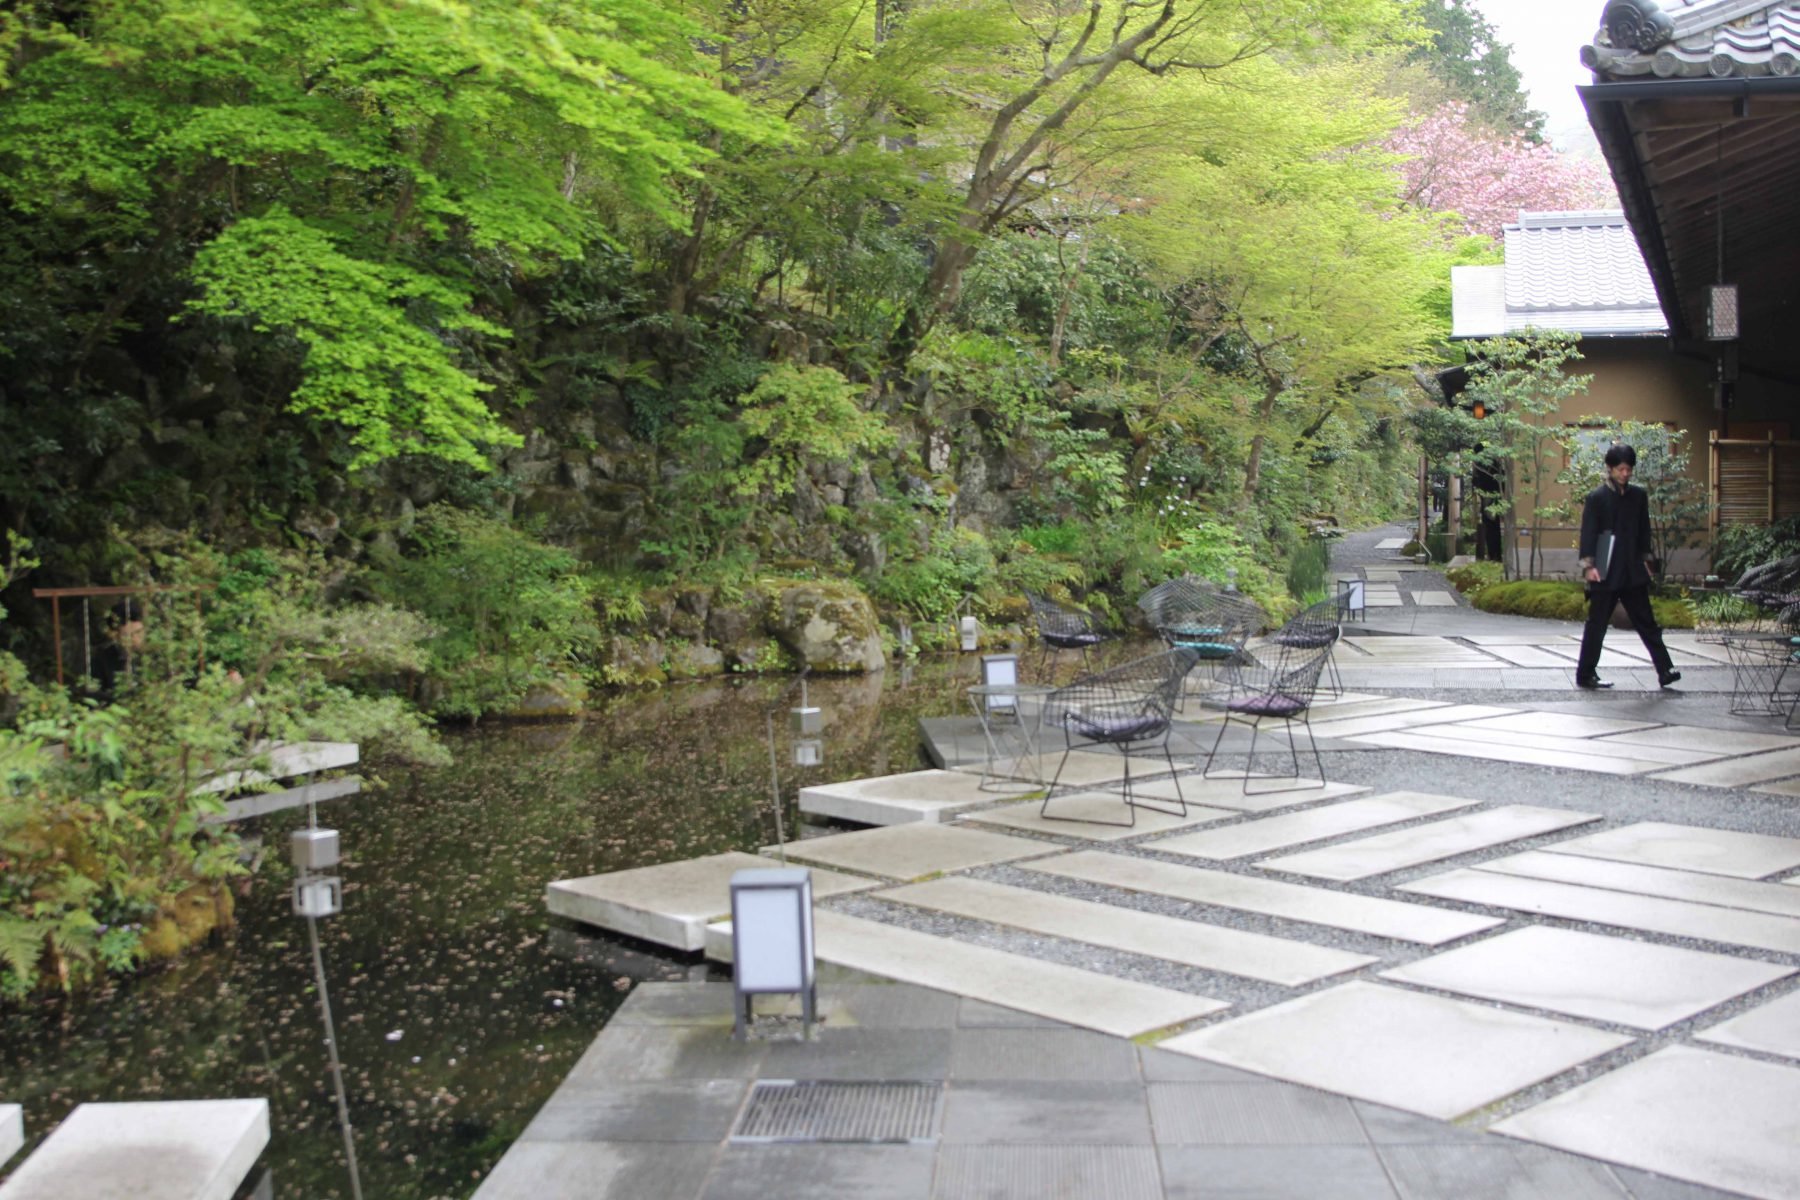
(1665, 678)
(1592, 684)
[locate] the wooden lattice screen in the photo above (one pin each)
(1754, 480)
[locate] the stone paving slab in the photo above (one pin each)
(896, 799)
(1690, 848)
(1649, 914)
(1693, 737)
(1421, 649)
(1385, 852)
(1290, 901)
(1308, 825)
(1739, 772)
(1565, 725)
(1192, 943)
(1569, 760)
(1667, 882)
(12, 1130)
(600, 1170)
(988, 1171)
(1082, 813)
(670, 903)
(911, 851)
(1477, 734)
(1226, 790)
(1714, 1119)
(1772, 1028)
(1251, 1114)
(1442, 714)
(1434, 599)
(1421, 1053)
(1782, 787)
(1527, 655)
(1121, 1007)
(1640, 984)
(146, 1150)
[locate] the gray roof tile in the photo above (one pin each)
(1578, 271)
(1711, 39)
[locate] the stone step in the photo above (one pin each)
(1739, 772)
(1638, 757)
(1385, 852)
(1310, 825)
(1690, 848)
(1442, 714)
(1073, 996)
(1650, 914)
(912, 851)
(1569, 760)
(670, 903)
(149, 1150)
(1191, 943)
(1395, 919)
(897, 799)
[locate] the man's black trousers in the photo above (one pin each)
(1636, 601)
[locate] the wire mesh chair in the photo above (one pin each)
(1063, 628)
(1280, 683)
(1128, 707)
(1313, 627)
(1213, 624)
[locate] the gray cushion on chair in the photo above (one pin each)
(1272, 704)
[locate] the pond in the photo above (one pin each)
(460, 1004)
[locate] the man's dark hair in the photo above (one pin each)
(1621, 454)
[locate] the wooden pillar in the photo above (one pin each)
(1424, 498)
(1453, 512)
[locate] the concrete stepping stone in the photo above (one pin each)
(1083, 815)
(12, 1130)
(1226, 790)
(1781, 787)
(1575, 744)
(1568, 760)
(1390, 543)
(1336, 710)
(1386, 852)
(1526, 655)
(670, 903)
(1563, 725)
(1667, 882)
(1268, 897)
(1640, 984)
(1434, 599)
(1650, 914)
(1690, 848)
(1443, 714)
(1191, 943)
(912, 851)
(1740, 772)
(1120, 1007)
(897, 799)
(147, 1150)
(1424, 1054)
(1712, 1119)
(1309, 825)
(1422, 648)
(1772, 1028)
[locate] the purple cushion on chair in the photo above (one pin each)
(1123, 727)
(1272, 704)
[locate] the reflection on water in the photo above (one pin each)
(460, 1005)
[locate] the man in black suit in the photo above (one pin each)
(1616, 555)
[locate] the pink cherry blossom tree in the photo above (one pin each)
(1451, 163)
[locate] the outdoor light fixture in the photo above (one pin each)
(771, 941)
(1351, 601)
(1480, 411)
(1722, 312)
(1000, 670)
(808, 723)
(318, 896)
(313, 849)
(809, 752)
(971, 633)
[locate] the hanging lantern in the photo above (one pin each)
(809, 752)
(1722, 312)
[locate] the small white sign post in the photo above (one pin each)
(771, 941)
(1351, 600)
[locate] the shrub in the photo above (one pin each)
(958, 563)
(1740, 547)
(510, 612)
(1471, 578)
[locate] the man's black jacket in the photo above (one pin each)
(1627, 515)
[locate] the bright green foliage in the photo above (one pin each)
(1739, 547)
(958, 565)
(1564, 600)
(510, 613)
(795, 414)
(1466, 54)
(1678, 507)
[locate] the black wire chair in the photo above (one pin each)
(1314, 627)
(1279, 683)
(1063, 628)
(1214, 624)
(1131, 706)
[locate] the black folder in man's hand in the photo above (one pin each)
(1603, 550)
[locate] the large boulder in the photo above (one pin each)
(828, 626)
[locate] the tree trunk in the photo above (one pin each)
(1265, 412)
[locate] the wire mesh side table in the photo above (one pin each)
(1012, 720)
(1759, 662)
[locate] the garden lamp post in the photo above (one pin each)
(317, 893)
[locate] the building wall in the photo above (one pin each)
(1640, 379)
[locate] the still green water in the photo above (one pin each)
(460, 1004)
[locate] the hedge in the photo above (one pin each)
(1565, 600)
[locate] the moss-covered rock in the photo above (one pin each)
(827, 626)
(187, 919)
(633, 661)
(564, 697)
(694, 660)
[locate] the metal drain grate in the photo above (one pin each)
(802, 1110)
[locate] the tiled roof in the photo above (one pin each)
(1578, 271)
(1696, 38)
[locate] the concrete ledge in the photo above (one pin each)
(157, 1150)
(670, 903)
(931, 796)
